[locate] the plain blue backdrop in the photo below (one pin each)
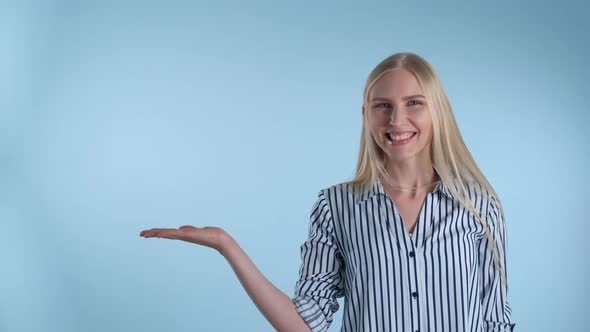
(118, 116)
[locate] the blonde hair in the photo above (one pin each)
(451, 159)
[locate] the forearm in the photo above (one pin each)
(275, 305)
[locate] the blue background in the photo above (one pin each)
(118, 116)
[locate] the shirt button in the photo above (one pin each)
(411, 253)
(414, 294)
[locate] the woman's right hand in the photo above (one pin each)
(275, 305)
(213, 237)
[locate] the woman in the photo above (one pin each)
(414, 242)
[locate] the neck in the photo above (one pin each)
(407, 175)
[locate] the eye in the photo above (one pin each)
(382, 104)
(416, 101)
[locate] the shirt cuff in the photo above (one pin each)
(311, 313)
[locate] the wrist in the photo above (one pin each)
(225, 244)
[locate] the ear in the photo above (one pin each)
(363, 109)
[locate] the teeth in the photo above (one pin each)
(401, 137)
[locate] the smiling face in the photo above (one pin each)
(396, 107)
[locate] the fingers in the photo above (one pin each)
(170, 233)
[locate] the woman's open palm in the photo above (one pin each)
(208, 236)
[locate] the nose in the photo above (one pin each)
(396, 116)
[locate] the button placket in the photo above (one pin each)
(414, 285)
(399, 234)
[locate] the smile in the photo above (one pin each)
(403, 139)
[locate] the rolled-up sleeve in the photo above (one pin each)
(320, 280)
(496, 309)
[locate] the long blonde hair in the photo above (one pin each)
(450, 157)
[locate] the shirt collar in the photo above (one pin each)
(377, 189)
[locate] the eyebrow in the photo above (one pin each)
(403, 98)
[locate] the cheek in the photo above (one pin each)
(427, 134)
(378, 139)
(424, 123)
(373, 127)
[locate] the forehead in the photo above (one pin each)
(395, 84)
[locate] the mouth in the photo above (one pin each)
(399, 140)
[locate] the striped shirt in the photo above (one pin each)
(442, 277)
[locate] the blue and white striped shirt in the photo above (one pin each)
(442, 277)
